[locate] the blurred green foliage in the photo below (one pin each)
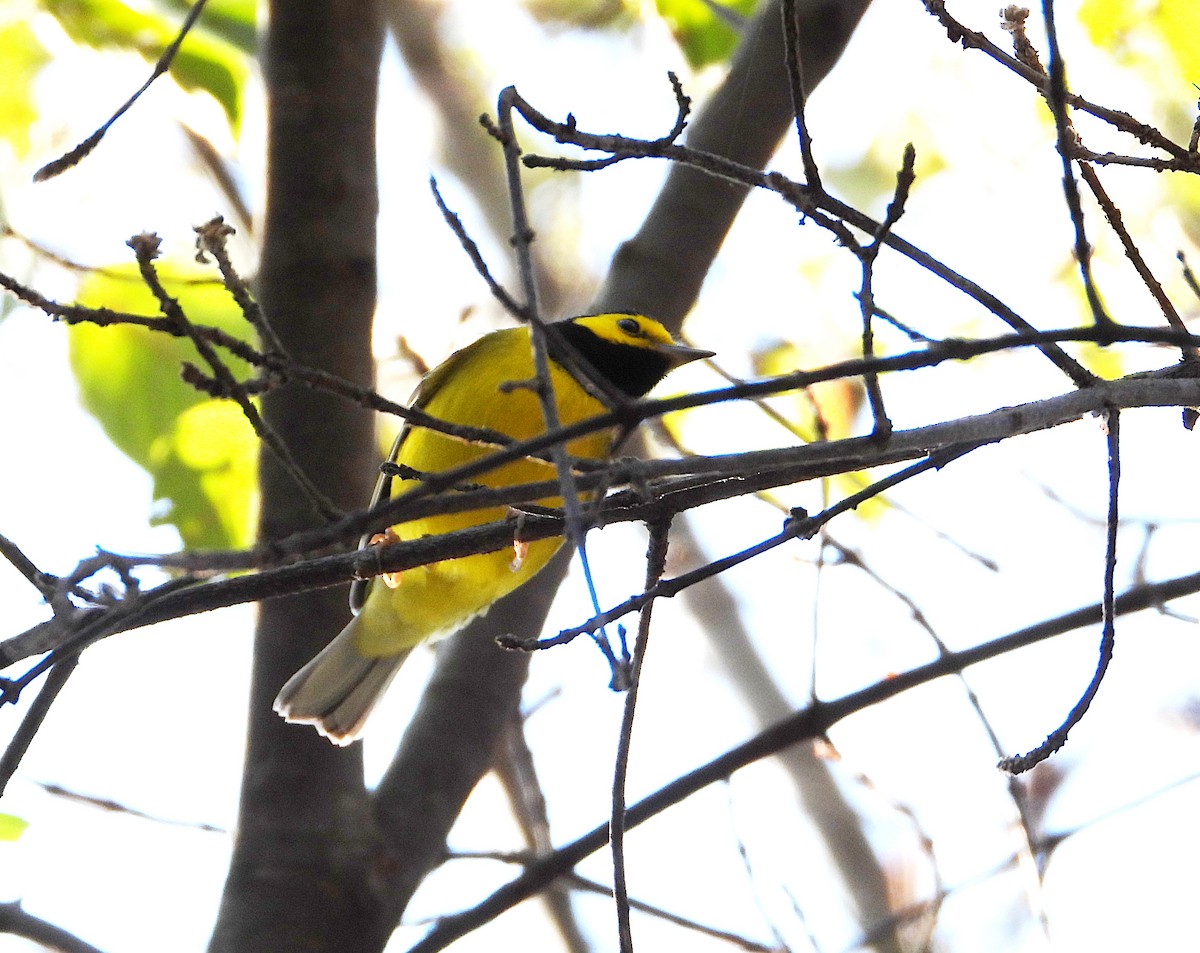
(23, 56)
(703, 33)
(201, 453)
(215, 57)
(11, 827)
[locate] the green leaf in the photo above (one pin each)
(703, 35)
(235, 21)
(207, 465)
(11, 827)
(201, 453)
(23, 56)
(203, 61)
(1139, 32)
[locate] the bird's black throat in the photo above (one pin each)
(631, 369)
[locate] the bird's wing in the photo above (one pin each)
(429, 385)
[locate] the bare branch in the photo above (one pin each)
(23, 738)
(17, 921)
(656, 562)
(84, 149)
(808, 723)
(1056, 97)
(1019, 764)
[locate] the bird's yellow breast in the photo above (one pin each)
(468, 389)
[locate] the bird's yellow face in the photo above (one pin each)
(631, 330)
(630, 351)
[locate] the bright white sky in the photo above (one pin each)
(154, 719)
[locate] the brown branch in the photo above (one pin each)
(1169, 387)
(1056, 97)
(146, 249)
(356, 525)
(796, 85)
(817, 207)
(1018, 764)
(522, 239)
(518, 775)
(17, 921)
(212, 239)
(499, 292)
(867, 256)
(800, 526)
(656, 563)
(84, 149)
(23, 738)
(1113, 215)
(808, 723)
(279, 368)
(753, 471)
(972, 39)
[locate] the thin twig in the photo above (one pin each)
(808, 723)
(577, 881)
(1016, 792)
(800, 526)
(1133, 253)
(736, 939)
(523, 236)
(1019, 764)
(212, 238)
(146, 249)
(23, 737)
(224, 174)
(1189, 276)
(81, 151)
(656, 564)
(42, 582)
(277, 366)
(116, 807)
(818, 207)
(1056, 96)
(17, 921)
(499, 292)
(973, 39)
(867, 257)
(799, 91)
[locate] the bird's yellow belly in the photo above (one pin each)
(437, 599)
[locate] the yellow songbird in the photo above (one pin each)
(337, 690)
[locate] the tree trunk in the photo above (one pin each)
(300, 878)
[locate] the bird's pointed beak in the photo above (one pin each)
(679, 354)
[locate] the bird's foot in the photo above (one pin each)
(390, 579)
(520, 551)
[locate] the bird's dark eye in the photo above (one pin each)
(629, 326)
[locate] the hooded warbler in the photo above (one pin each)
(336, 691)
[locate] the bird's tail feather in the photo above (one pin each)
(337, 690)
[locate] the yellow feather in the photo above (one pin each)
(440, 598)
(337, 689)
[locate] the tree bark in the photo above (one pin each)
(301, 874)
(319, 864)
